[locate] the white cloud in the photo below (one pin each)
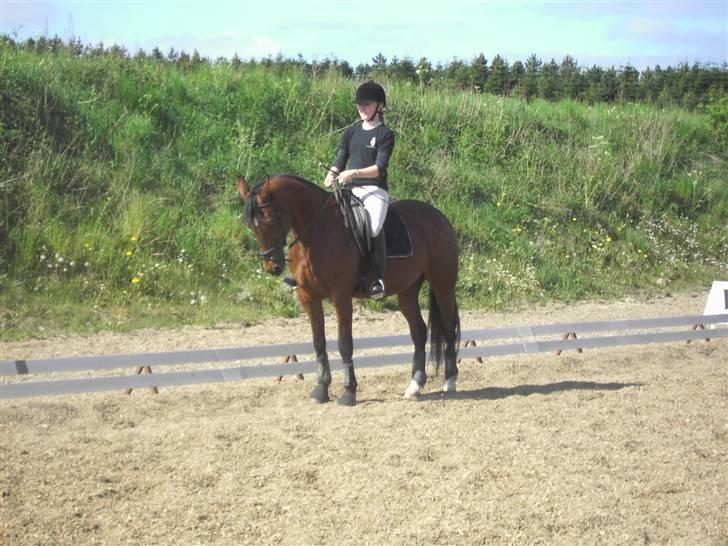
(224, 44)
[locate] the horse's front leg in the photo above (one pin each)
(315, 312)
(346, 349)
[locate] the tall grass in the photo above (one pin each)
(118, 199)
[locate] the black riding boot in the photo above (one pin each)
(379, 259)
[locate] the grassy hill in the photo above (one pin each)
(118, 206)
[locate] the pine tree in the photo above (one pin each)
(530, 77)
(498, 80)
(549, 84)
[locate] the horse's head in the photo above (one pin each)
(268, 222)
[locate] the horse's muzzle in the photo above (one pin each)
(274, 268)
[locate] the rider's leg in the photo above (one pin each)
(376, 202)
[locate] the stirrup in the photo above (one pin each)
(376, 292)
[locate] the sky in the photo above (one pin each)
(604, 32)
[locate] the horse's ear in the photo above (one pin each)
(243, 189)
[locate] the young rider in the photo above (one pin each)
(367, 146)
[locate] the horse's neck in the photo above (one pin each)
(304, 204)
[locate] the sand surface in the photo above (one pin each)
(612, 446)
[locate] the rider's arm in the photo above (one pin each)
(351, 174)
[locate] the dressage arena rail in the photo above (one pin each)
(18, 370)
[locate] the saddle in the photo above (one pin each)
(356, 220)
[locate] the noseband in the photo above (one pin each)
(267, 255)
(249, 213)
(251, 208)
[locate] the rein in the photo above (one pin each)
(252, 206)
(305, 229)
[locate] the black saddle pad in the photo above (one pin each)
(396, 234)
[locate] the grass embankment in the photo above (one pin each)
(119, 208)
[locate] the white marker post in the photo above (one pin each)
(717, 303)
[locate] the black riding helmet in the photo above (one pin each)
(371, 91)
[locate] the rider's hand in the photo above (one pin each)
(330, 177)
(347, 176)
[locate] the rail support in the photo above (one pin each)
(697, 327)
(286, 360)
(138, 371)
(568, 335)
(471, 343)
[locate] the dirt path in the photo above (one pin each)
(611, 446)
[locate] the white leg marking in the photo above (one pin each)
(413, 391)
(451, 385)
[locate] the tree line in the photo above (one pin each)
(687, 85)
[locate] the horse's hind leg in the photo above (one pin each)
(410, 307)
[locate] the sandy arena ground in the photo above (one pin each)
(612, 446)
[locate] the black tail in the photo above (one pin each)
(437, 335)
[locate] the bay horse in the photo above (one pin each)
(326, 265)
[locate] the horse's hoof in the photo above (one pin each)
(413, 391)
(451, 385)
(320, 394)
(348, 398)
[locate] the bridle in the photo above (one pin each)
(267, 255)
(249, 215)
(252, 206)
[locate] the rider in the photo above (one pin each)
(367, 146)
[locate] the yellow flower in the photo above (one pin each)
(135, 280)
(609, 239)
(129, 252)
(573, 218)
(133, 238)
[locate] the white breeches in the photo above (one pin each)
(376, 201)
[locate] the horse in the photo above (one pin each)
(326, 265)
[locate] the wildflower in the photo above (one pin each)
(133, 238)
(135, 280)
(609, 239)
(129, 252)
(573, 218)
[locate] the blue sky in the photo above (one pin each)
(643, 33)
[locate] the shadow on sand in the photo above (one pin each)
(498, 393)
